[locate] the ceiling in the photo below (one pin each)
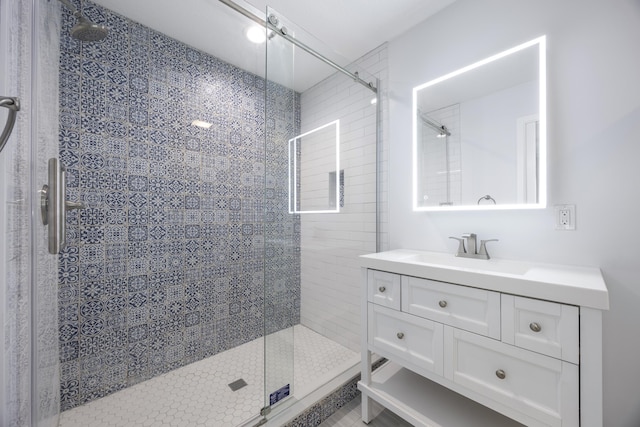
(344, 30)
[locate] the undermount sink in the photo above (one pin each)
(573, 285)
(480, 265)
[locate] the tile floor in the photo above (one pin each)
(350, 416)
(199, 395)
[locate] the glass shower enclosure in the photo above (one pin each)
(330, 142)
(225, 205)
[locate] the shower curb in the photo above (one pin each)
(331, 403)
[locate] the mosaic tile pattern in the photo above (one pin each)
(326, 407)
(185, 230)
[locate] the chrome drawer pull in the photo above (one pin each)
(382, 289)
(442, 303)
(400, 335)
(535, 327)
(501, 374)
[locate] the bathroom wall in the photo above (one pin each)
(594, 129)
(167, 263)
(489, 154)
(332, 242)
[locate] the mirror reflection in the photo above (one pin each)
(479, 134)
(314, 158)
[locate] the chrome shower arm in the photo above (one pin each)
(72, 8)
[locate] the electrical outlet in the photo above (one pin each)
(565, 217)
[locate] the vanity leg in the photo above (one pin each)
(365, 361)
(367, 409)
(365, 378)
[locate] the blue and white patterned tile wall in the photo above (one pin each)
(183, 226)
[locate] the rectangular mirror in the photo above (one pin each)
(479, 134)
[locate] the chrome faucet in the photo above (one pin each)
(469, 250)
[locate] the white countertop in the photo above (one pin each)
(582, 286)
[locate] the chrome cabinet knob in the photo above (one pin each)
(501, 374)
(535, 327)
(400, 335)
(442, 303)
(382, 289)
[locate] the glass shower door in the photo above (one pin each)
(281, 228)
(29, 328)
(320, 214)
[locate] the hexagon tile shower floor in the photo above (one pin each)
(199, 394)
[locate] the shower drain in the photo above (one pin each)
(237, 384)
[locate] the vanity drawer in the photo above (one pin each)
(537, 386)
(383, 288)
(545, 327)
(471, 309)
(412, 341)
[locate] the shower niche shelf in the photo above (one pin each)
(482, 343)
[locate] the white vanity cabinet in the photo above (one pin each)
(468, 351)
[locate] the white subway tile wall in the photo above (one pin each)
(331, 243)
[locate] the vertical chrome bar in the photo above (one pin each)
(379, 157)
(62, 206)
(55, 207)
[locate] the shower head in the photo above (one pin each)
(88, 31)
(85, 30)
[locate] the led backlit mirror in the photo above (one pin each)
(479, 134)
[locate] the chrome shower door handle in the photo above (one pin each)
(73, 205)
(13, 104)
(54, 206)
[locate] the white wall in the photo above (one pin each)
(488, 128)
(594, 149)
